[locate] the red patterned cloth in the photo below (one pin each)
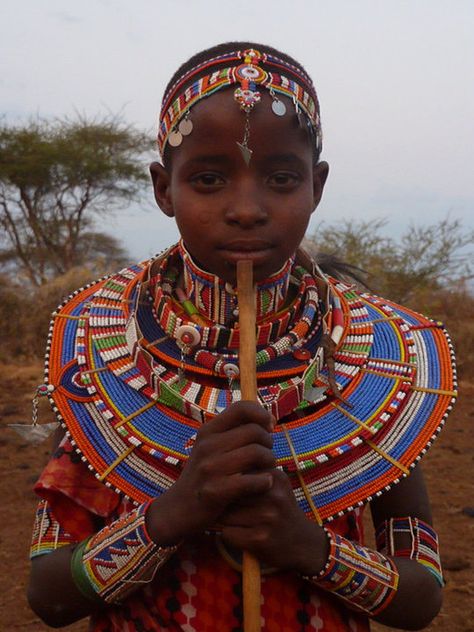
(197, 590)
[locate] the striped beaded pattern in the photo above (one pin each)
(176, 105)
(412, 538)
(365, 579)
(48, 534)
(216, 301)
(227, 58)
(121, 555)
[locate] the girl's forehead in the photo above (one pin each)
(219, 128)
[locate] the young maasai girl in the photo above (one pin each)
(163, 476)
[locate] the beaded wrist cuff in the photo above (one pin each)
(365, 579)
(411, 538)
(48, 535)
(111, 563)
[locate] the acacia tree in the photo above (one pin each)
(56, 178)
(423, 258)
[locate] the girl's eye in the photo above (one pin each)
(284, 179)
(207, 179)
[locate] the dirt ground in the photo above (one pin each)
(448, 468)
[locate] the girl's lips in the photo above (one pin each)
(256, 251)
(246, 245)
(254, 255)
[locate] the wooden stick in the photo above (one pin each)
(248, 386)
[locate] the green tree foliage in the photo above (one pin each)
(423, 259)
(56, 178)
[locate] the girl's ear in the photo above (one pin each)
(320, 174)
(161, 187)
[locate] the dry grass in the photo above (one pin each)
(25, 313)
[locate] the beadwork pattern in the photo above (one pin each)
(121, 555)
(48, 534)
(118, 390)
(216, 301)
(365, 579)
(297, 87)
(423, 543)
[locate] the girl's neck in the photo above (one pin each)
(217, 300)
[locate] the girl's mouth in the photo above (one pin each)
(255, 250)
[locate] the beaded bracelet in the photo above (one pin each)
(411, 538)
(48, 535)
(109, 565)
(365, 579)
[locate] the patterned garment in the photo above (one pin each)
(196, 590)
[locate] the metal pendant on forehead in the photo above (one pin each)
(185, 127)
(246, 152)
(278, 107)
(175, 138)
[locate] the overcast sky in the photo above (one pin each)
(394, 77)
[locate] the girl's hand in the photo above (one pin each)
(231, 459)
(274, 528)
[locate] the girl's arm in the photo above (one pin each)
(419, 595)
(232, 458)
(60, 591)
(52, 594)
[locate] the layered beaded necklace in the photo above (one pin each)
(216, 300)
(113, 377)
(280, 331)
(201, 375)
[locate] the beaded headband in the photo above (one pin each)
(174, 116)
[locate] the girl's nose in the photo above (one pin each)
(246, 207)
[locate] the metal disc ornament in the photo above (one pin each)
(278, 107)
(185, 127)
(175, 139)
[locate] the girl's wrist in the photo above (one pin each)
(94, 568)
(164, 522)
(315, 563)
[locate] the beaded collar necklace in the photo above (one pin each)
(212, 335)
(134, 424)
(211, 349)
(216, 300)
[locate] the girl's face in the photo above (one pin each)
(226, 210)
